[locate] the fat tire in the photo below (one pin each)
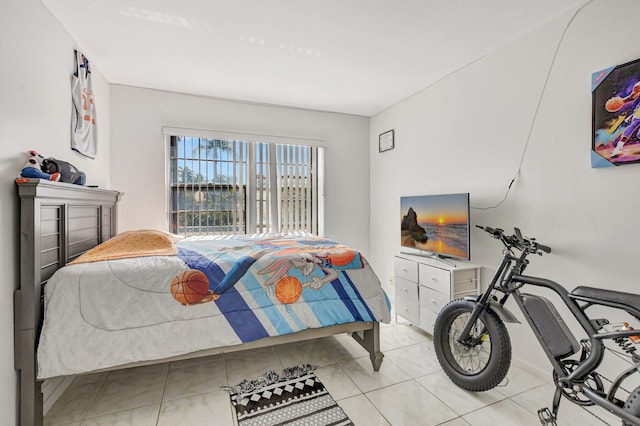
(499, 359)
(632, 404)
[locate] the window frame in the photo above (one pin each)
(250, 195)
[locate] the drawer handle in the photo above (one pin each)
(434, 301)
(404, 269)
(434, 279)
(406, 309)
(405, 289)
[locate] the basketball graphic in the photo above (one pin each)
(288, 289)
(189, 286)
(614, 104)
(342, 258)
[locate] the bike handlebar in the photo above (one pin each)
(544, 248)
(516, 240)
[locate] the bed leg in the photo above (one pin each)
(31, 403)
(31, 400)
(370, 340)
(376, 360)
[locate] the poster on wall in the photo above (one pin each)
(616, 115)
(84, 132)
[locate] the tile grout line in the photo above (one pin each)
(234, 420)
(93, 400)
(164, 390)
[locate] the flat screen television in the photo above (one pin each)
(436, 225)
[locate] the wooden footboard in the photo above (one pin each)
(59, 222)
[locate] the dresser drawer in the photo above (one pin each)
(405, 288)
(408, 308)
(435, 278)
(432, 300)
(407, 269)
(427, 320)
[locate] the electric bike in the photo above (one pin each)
(474, 348)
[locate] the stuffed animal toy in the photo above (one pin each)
(33, 169)
(68, 172)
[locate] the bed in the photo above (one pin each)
(264, 290)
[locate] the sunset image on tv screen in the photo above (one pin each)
(438, 224)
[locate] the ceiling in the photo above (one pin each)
(348, 56)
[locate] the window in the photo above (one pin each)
(228, 185)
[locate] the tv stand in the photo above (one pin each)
(423, 285)
(431, 256)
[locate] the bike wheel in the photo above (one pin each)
(479, 366)
(632, 404)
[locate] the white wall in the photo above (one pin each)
(36, 63)
(465, 133)
(138, 152)
(468, 132)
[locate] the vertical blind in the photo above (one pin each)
(228, 186)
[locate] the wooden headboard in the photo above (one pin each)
(58, 222)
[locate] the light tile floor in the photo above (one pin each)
(409, 389)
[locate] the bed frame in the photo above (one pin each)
(59, 222)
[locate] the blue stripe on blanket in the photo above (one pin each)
(243, 321)
(344, 296)
(266, 305)
(348, 304)
(331, 304)
(352, 290)
(238, 314)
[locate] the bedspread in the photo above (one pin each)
(213, 292)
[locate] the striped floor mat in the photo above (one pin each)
(295, 397)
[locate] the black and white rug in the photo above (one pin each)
(295, 397)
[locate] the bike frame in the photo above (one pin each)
(597, 346)
(508, 280)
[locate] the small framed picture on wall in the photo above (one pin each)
(386, 141)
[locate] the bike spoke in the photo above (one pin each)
(470, 359)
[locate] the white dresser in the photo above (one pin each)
(424, 285)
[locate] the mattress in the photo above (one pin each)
(146, 295)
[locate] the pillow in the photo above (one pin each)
(138, 243)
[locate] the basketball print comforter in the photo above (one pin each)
(136, 298)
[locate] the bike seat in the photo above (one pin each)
(628, 301)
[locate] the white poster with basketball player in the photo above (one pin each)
(84, 133)
(616, 115)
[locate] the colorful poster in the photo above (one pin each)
(616, 115)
